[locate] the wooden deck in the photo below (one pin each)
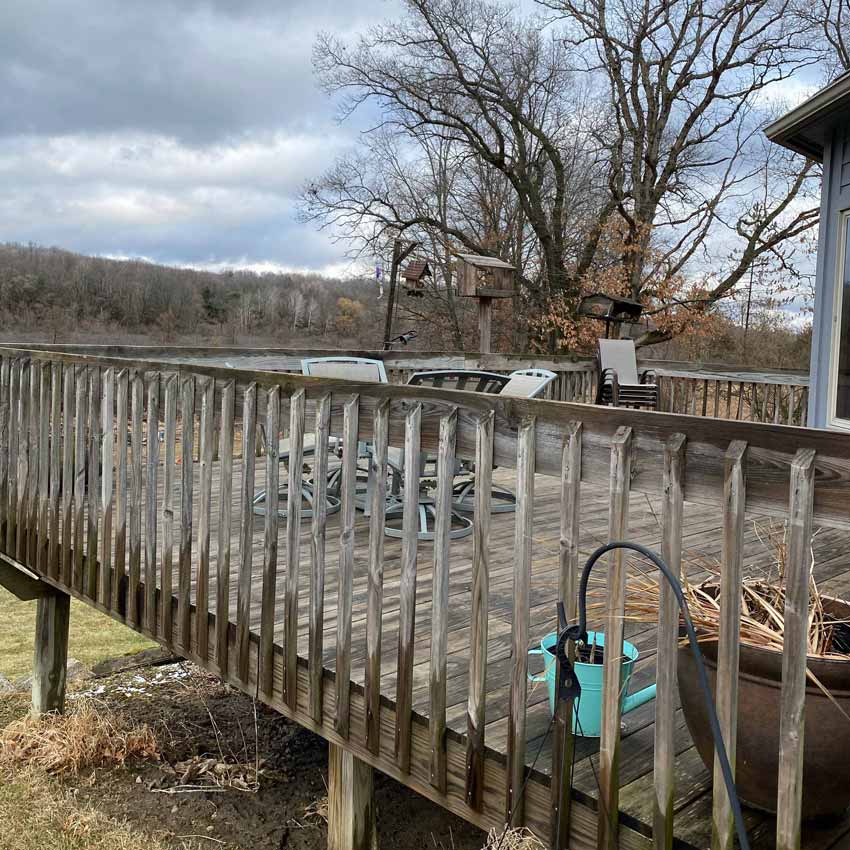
(104, 495)
(701, 550)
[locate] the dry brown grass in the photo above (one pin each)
(762, 603)
(88, 737)
(513, 839)
(38, 813)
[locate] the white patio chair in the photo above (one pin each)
(527, 383)
(619, 383)
(343, 368)
(521, 383)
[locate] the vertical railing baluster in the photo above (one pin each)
(107, 456)
(225, 522)
(44, 399)
(792, 716)
(135, 525)
(346, 565)
(668, 630)
(153, 459)
(407, 585)
(375, 585)
(14, 449)
(169, 466)
(5, 425)
(520, 627)
(609, 741)
(318, 532)
(79, 474)
(93, 481)
(53, 555)
(32, 465)
(269, 589)
(293, 543)
(23, 463)
(205, 454)
(68, 384)
(246, 532)
(119, 585)
(479, 610)
(563, 742)
(184, 565)
(728, 644)
(440, 597)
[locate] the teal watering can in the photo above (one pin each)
(587, 719)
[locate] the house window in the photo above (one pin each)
(840, 378)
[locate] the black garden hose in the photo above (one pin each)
(579, 633)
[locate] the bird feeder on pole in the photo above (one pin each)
(484, 278)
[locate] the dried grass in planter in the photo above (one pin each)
(513, 839)
(762, 603)
(87, 737)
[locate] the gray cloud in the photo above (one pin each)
(171, 129)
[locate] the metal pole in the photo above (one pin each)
(399, 254)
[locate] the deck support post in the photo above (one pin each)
(351, 802)
(51, 652)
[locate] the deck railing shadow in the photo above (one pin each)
(118, 483)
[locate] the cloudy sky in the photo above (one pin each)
(178, 130)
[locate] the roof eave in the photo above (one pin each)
(791, 130)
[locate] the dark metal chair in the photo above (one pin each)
(522, 383)
(344, 368)
(447, 379)
(471, 380)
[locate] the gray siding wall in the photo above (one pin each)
(835, 197)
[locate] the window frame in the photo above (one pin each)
(835, 422)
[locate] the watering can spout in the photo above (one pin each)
(634, 701)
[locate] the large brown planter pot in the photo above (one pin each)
(826, 767)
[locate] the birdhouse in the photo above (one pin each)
(414, 276)
(484, 277)
(620, 312)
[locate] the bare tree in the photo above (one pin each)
(500, 89)
(663, 177)
(687, 82)
(830, 18)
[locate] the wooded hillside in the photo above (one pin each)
(54, 295)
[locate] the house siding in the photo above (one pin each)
(835, 198)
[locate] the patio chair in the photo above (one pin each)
(454, 379)
(344, 368)
(527, 383)
(522, 383)
(619, 383)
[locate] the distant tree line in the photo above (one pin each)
(58, 295)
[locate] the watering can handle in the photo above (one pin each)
(540, 677)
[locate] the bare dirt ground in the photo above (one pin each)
(232, 774)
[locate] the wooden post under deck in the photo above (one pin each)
(351, 802)
(51, 652)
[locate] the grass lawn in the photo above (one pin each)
(37, 813)
(94, 636)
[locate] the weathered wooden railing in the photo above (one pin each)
(101, 480)
(722, 391)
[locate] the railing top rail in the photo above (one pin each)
(771, 448)
(209, 355)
